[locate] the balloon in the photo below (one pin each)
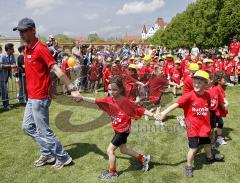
(71, 62)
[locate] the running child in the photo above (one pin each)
(121, 111)
(196, 105)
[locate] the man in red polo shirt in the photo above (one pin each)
(38, 63)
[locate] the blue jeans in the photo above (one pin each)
(36, 125)
(4, 93)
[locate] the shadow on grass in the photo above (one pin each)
(200, 159)
(136, 166)
(226, 133)
(13, 106)
(78, 150)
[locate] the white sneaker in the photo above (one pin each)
(146, 118)
(159, 123)
(146, 163)
(221, 141)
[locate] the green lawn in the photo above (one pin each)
(167, 147)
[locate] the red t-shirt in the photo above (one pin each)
(219, 65)
(38, 61)
(230, 66)
(129, 83)
(216, 97)
(169, 64)
(156, 87)
(116, 70)
(121, 112)
(93, 73)
(106, 76)
(196, 112)
(209, 68)
(221, 111)
(144, 73)
(187, 85)
(176, 75)
(234, 48)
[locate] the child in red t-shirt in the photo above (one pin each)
(188, 87)
(221, 111)
(176, 76)
(106, 77)
(93, 75)
(188, 81)
(230, 65)
(122, 111)
(66, 70)
(196, 105)
(209, 66)
(217, 102)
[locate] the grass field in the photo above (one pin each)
(167, 147)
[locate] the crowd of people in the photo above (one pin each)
(132, 77)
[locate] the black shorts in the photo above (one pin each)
(195, 142)
(212, 119)
(120, 138)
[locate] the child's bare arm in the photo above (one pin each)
(226, 103)
(168, 110)
(89, 99)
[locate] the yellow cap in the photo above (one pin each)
(199, 62)
(177, 62)
(109, 59)
(132, 66)
(209, 61)
(169, 56)
(147, 58)
(193, 67)
(201, 74)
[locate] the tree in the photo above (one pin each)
(95, 38)
(208, 23)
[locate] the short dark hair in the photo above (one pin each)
(8, 46)
(20, 49)
(0, 47)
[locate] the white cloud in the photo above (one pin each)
(90, 16)
(137, 7)
(40, 7)
(109, 28)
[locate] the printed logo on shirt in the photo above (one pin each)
(202, 111)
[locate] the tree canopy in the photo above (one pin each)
(208, 23)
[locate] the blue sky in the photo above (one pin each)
(108, 18)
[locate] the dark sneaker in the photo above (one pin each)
(145, 163)
(108, 175)
(59, 164)
(188, 171)
(215, 158)
(43, 160)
